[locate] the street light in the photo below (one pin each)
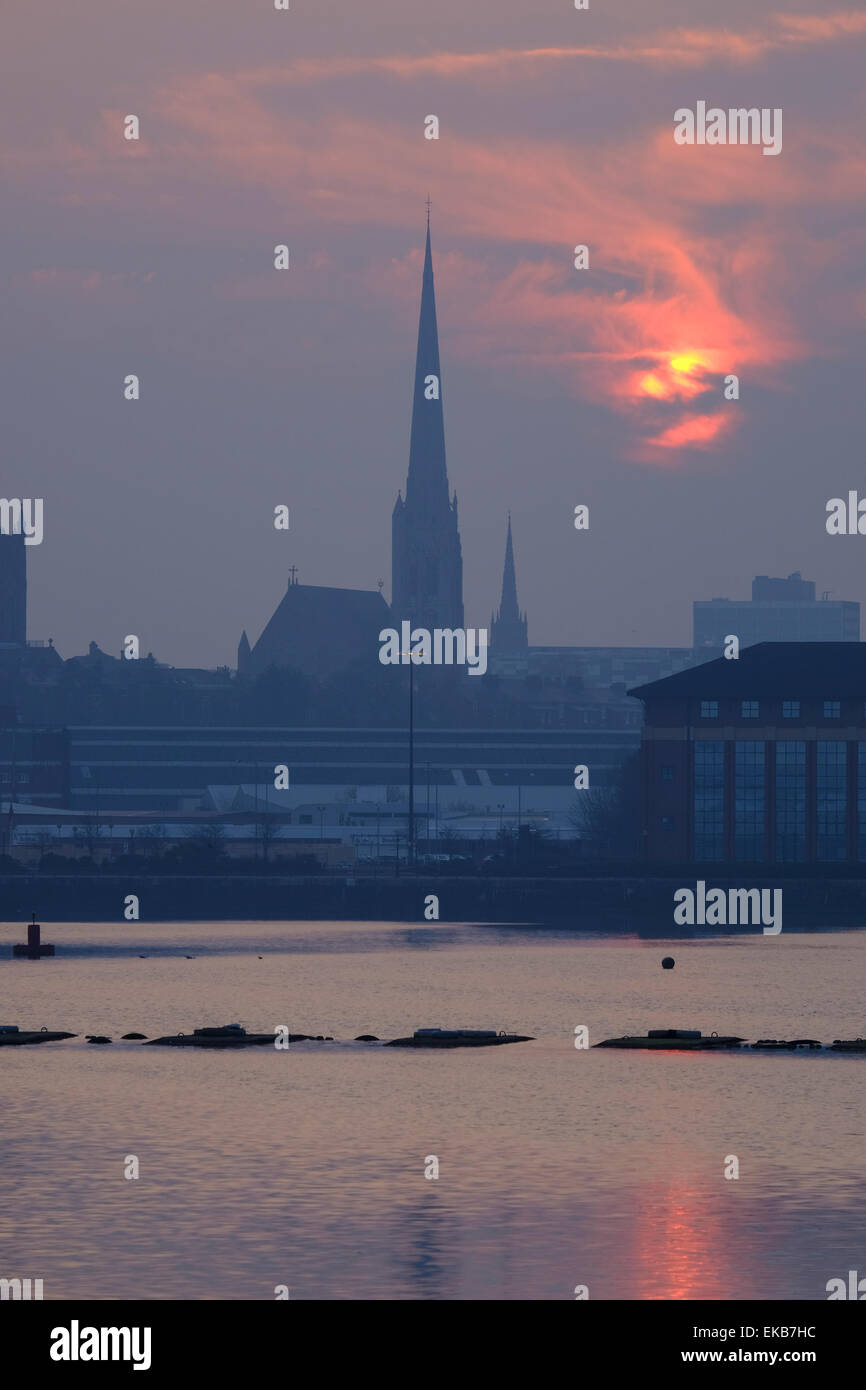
(410, 842)
(410, 847)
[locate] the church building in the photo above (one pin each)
(320, 630)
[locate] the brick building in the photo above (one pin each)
(757, 760)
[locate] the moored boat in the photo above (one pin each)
(675, 1040)
(13, 1036)
(457, 1037)
(230, 1035)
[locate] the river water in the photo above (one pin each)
(558, 1166)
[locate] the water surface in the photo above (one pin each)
(558, 1167)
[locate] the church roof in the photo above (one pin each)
(320, 630)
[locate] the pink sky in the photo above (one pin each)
(556, 129)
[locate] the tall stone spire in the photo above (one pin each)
(509, 627)
(427, 561)
(428, 479)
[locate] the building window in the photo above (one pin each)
(831, 709)
(709, 800)
(667, 822)
(23, 778)
(791, 801)
(305, 820)
(790, 709)
(709, 709)
(831, 798)
(667, 773)
(749, 709)
(861, 800)
(749, 802)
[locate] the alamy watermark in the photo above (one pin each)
(736, 126)
(22, 514)
(76, 1343)
(20, 1289)
(741, 907)
(444, 646)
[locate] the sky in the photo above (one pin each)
(259, 387)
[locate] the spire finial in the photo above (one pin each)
(429, 205)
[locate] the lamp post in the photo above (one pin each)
(410, 839)
(410, 846)
(427, 814)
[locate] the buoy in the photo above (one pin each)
(668, 963)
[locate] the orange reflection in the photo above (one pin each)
(682, 1244)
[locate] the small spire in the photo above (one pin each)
(509, 628)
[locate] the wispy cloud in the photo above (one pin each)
(671, 48)
(678, 294)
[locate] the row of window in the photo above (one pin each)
(751, 709)
(750, 787)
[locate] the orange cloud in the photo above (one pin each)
(677, 47)
(678, 295)
(695, 431)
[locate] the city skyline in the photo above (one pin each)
(600, 386)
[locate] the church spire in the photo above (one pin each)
(426, 557)
(428, 478)
(509, 627)
(508, 605)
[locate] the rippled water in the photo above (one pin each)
(558, 1166)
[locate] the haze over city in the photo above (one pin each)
(602, 386)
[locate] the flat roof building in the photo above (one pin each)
(757, 760)
(780, 610)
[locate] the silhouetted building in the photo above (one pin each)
(758, 760)
(426, 558)
(114, 767)
(13, 590)
(508, 627)
(318, 631)
(34, 765)
(781, 610)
